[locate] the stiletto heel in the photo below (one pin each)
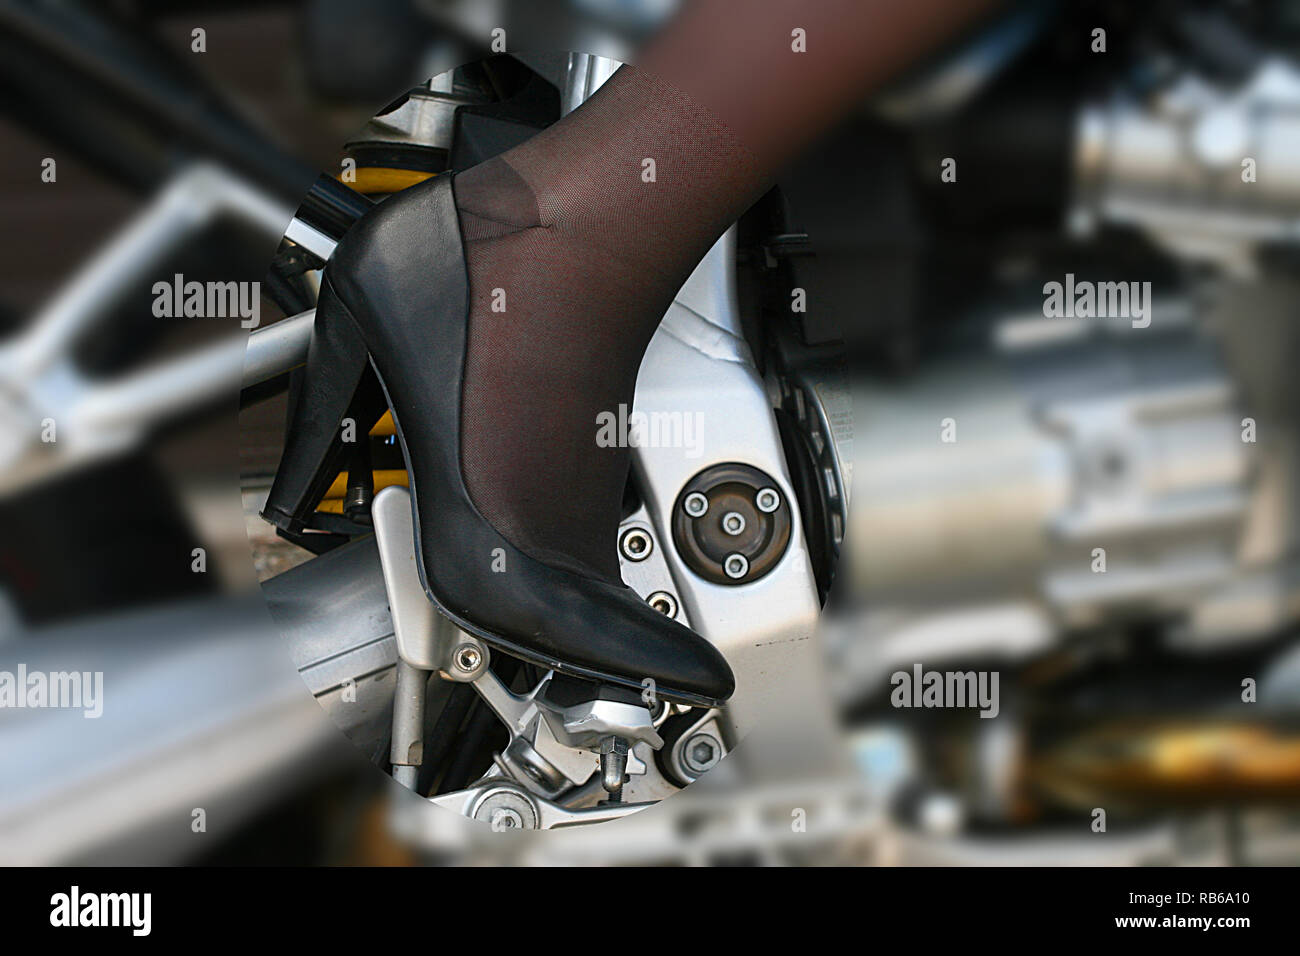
(338, 384)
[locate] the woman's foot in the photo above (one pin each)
(503, 310)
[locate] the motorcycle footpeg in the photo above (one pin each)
(601, 718)
(585, 714)
(564, 729)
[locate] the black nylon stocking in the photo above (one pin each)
(573, 258)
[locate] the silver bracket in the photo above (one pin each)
(552, 748)
(425, 639)
(508, 806)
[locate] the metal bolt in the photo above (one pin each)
(696, 505)
(467, 658)
(635, 544)
(701, 753)
(357, 500)
(506, 807)
(767, 500)
(506, 819)
(736, 566)
(613, 763)
(663, 602)
(733, 522)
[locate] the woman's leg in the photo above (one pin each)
(574, 254)
(737, 60)
(577, 240)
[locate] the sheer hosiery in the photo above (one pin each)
(574, 257)
(575, 247)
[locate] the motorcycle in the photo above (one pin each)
(925, 235)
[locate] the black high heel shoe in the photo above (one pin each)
(396, 287)
(337, 384)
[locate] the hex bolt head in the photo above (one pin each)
(506, 806)
(696, 505)
(506, 819)
(636, 544)
(767, 500)
(613, 763)
(701, 753)
(467, 658)
(736, 566)
(733, 523)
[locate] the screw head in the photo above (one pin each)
(733, 523)
(767, 500)
(636, 544)
(505, 818)
(736, 566)
(663, 602)
(467, 658)
(701, 753)
(506, 806)
(696, 505)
